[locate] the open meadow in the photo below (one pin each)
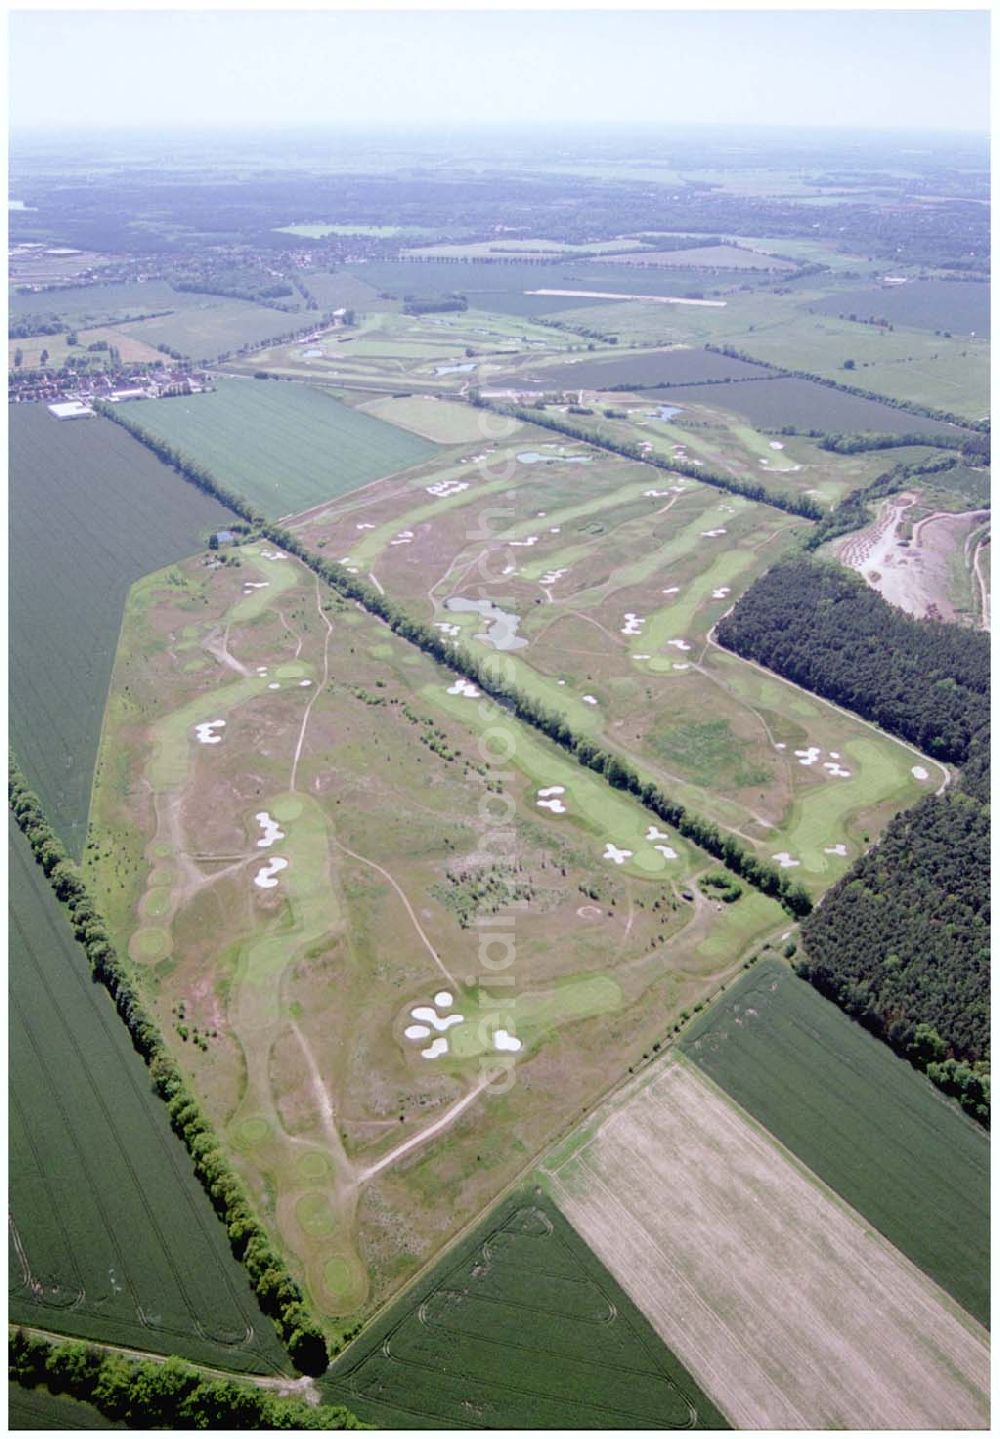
(788, 1310)
(601, 580)
(873, 1129)
(91, 511)
(517, 1326)
(284, 447)
(318, 848)
(111, 1235)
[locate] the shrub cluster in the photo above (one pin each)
(277, 1291)
(143, 1394)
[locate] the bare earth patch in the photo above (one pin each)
(783, 1304)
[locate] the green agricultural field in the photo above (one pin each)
(518, 1326)
(91, 511)
(112, 1237)
(871, 1127)
(40, 1409)
(215, 326)
(284, 447)
(86, 305)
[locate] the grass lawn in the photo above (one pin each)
(873, 1128)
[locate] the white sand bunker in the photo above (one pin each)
(721, 592)
(262, 670)
(272, 830)
(777, 445)
(503, 1039)
(681, 667)
(405, 537)
(840, 849)
(509, 570)
(808, 756)
(426, 1015)
(642, 657)
(785, 860)
(555, 530)
(666, 850)
(522, 544)
(304, 684)
(619, 856)
(555, 805)
(655, 494)
(551, 790)
(365, 525)
(264, 878)
(548, 798)
(205, 733)
(679, 644)
(416, 1031)
(274, 685)
(447, 629)
(918, 772)
(443, 999)
(671, 590)
(712, 534)
(443, 488)
(552, 576)
(837, 770)
(435, 1049)
(464, 687)
(780, 745)
(249, 585)
(589, 699)
(633, 624)
(272, 555)
(654, 833)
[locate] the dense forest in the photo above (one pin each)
(821, 626)
(902, 943)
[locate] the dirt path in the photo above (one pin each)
(325, 1106)
(218, 647)
(981, 581)
(303, 1387)
(362, 859)
(317, 691)
(449, 1116)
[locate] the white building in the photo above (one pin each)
(70, 410)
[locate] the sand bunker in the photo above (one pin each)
(262, 670)
(679, 644)
(444, 488)
(274, 685)
(552, 576)
(443, 999)
(681, 666)
(365, 525)
(918, 772)
(655, 494)
(555, 530)
(264, 878)
(555, 805)
(589, 699)
(447, 629)
(416, 1031)
(205, 733)
(721, 592)
(840, 849)
(524, 544)
(619, 856)
(666, 850)
(780, 745)
(777, 445)
(503, 1039)
(464, 687)
(785, 860)
(304, 684)
(249, 585)
(712, 534)
(633, 624)
(272, 830)
(671, 590)
(272, 555)
(548, 798)
(426, 1015)
(436, 1048)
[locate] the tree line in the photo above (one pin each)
(911, 407)
(278, 1293)
(822, 627)
(793, 504)
(143, 1394)
(619, 773)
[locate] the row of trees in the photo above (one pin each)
(277, 1291)
(822, 627)
(793, 504)
(902, 943)
(618, 772)
(143, 1394)
(912, 407)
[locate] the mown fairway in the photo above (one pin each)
(284, 447)
(111, 1235)
(91, 511)
(870, 1126)
(518, 1326)
(786, 1307)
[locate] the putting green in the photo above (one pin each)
(156, 902)
(316, 1218)
(293, 671)
(285, 808)
(314, 1165)
(150, 943)
(250, 1133)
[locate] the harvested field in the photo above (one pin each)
(517, 1326)
(111, 1235)
(91, 511)
(284, 447)
(784, 1306)
(872, 1128)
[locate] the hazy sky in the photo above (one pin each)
(907, 69)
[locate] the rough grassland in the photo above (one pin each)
(90, 511)
(870, 1126)
(111, 1235)
(785, 1306)
(285, 447)
(518, 1326)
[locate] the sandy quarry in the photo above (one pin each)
(916, 575)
